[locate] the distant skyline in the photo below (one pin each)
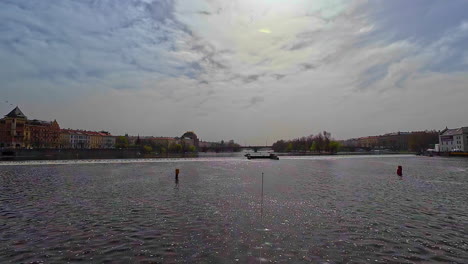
(252, 71)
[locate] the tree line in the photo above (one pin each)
(319, 143)
(222, 146)
(156, 146)
(151, 146)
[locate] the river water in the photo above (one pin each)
(340, 209)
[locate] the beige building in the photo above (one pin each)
(369, 142)
(108, 141)
(95, 139)
(65, 139)
(80, 139)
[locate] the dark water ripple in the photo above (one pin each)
(319, 210)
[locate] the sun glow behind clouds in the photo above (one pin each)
(257, 32)
(265, 30)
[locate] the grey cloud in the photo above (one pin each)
(279, 76)
(433, 25)
(210, 56)
(255, 100)
(204, 13)
(444, 54)
(422, 20)
(372, 75)
(308, 66)
(305, 39)
(161, 10)
(299, 45)
(80, 46)
(251, 78)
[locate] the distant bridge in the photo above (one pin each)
(256, 148)
(231, 148)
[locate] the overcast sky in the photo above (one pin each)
(252, 71)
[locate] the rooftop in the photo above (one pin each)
(455, 131)
(84, 132)
(16, 113)
(39, 122)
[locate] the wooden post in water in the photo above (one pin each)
(260, 259)
(261, 206)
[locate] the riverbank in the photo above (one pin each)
(71, 154)
(345, 153)
(458, 154)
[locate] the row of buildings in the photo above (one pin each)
(17, 131)
(447, 140)
(398, 141)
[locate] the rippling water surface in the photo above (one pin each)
(315, 209)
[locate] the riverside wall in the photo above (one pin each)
(64, 154)
(70, 154)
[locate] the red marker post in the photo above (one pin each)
(400, 171)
